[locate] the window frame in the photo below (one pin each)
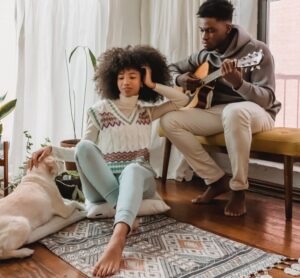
(263, 20)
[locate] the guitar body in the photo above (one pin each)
(202, 96)
(202, 71)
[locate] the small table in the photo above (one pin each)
(4, 163)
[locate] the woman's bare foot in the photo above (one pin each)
(236, 205)
(135, 225)
(109, 262)
(215, 189)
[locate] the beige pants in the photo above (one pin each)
(238, 121)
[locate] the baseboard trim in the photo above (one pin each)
(271, 189)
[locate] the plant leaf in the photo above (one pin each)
(93, 58)
(71, 54)
(3, 96)
(7, 108)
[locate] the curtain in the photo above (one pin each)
(48, 30)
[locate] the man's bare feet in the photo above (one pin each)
(236, 205)
(109, 262)
(213, 190)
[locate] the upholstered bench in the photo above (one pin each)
(278, 145)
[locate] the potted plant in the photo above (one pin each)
(72, 98)
(5, 109)
(69, 185)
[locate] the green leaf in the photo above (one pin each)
(93, 58)
(91, 54)
(73, 52)
(73, 173)
(3, 97)
(7, 108)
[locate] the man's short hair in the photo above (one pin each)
(218, 9)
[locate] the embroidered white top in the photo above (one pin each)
(122, 128)
(122, 139)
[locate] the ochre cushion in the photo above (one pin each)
(280, 140)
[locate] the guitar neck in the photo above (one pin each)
(251, 60)
(211, 77)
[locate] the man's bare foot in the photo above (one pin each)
(236, 205)
(109, 262)
(213, 190)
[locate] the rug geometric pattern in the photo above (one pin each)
(161, 247)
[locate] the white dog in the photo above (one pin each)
(33, 203)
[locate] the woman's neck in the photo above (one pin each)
(126, 104)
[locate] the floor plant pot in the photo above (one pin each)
(69, 188)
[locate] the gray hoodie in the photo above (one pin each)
(258, 86)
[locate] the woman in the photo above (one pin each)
(113, 156)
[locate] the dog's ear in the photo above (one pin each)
(51, 165)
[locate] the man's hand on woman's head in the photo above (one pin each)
(38, 156)
(231, 73)
(148, 77)
(188, 81)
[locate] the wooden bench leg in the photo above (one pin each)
(167, 153)
(288, 186)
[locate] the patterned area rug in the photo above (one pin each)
(161, 247)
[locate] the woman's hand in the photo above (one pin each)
(148, 78)
(38, 156)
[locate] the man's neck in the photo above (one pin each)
(223, 47)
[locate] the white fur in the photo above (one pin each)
(33, 203)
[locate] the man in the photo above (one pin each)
(243, 103)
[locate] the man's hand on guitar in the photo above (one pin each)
(188, 81)
(232, 74)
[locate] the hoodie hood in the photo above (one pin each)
(240, 39)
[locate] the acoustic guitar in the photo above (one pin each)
(202, 96)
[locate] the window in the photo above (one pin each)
(278, 26)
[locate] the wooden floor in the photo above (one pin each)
(264, 227)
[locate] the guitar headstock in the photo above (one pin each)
(251, 60)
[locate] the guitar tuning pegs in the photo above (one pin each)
(252, 69)
(258, 67)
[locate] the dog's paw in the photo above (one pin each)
(19, 253)
(76, 205)
(24, 252)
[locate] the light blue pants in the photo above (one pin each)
(99, 184)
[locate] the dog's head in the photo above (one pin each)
(54, 167)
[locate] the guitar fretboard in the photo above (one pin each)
(251, 60)
(211, 77)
